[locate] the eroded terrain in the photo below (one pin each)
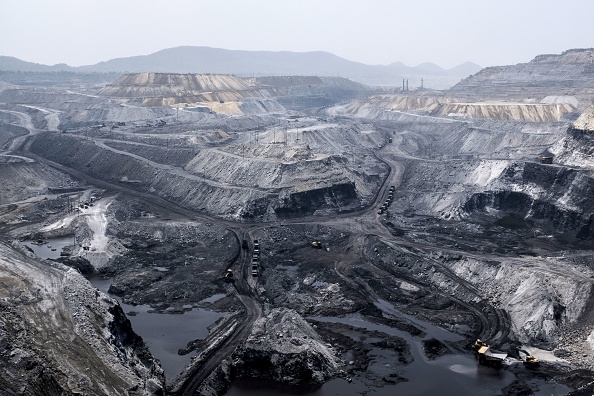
(357, 244)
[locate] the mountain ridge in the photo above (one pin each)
(200, 59)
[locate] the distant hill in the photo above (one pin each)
(262, 63)
(11, 64)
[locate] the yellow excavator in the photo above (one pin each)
(528, 360)
(487, 356)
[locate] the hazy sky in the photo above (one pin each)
(448, 33)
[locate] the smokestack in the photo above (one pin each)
(407, 84)
(403, 84)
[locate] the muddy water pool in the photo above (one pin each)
(452, 374)
(165, 334)
(51, 248)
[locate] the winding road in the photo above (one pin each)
(361, 223)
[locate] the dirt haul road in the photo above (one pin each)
(384, 257)
(365, 222)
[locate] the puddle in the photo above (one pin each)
(213, 298)
(50, 248)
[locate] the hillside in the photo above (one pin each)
(570, 73)
(12, 64)
(216, 92)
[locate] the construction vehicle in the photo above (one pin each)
(528, 360)
(316, 244)
(545, 159)
(487, 356)
(228, 277)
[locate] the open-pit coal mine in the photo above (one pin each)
(185, 234)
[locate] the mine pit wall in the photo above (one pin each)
(9, 132)
(540, 303)
(23, 180)
(162, 155)
(220, 93)
(260, 106)
(120, 348)
(65, 337)
(417, 278)
(389, 107)
(562, 199)
(273, 174)
(191, 192)
(506, 111)
(575, 149)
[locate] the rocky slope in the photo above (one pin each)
(304, 92)
(59, 335)
(267, 180)
(220, 93)
(283, 347)
(24, 180)
(547, 89)
(585, 122)
(570, 73)
(400, 107)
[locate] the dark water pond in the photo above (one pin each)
(165, 334)
(453, 374)
(51, 248)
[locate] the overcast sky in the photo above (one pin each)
(448, 33)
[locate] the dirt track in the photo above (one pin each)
(438, 255)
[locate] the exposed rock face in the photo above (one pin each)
(388, 107)
(302, 92)
(59, 335)
(536, 112)
(236, 188)
(576, 147)
(23, 180)
(162, 89)
(283, 347)
(9, 132)
(569, 73)
(310, 200)
(540, 303)
(208, 87)
(539, 192)
(547, 89)
(585, 122)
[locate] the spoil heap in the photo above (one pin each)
(183, 90)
